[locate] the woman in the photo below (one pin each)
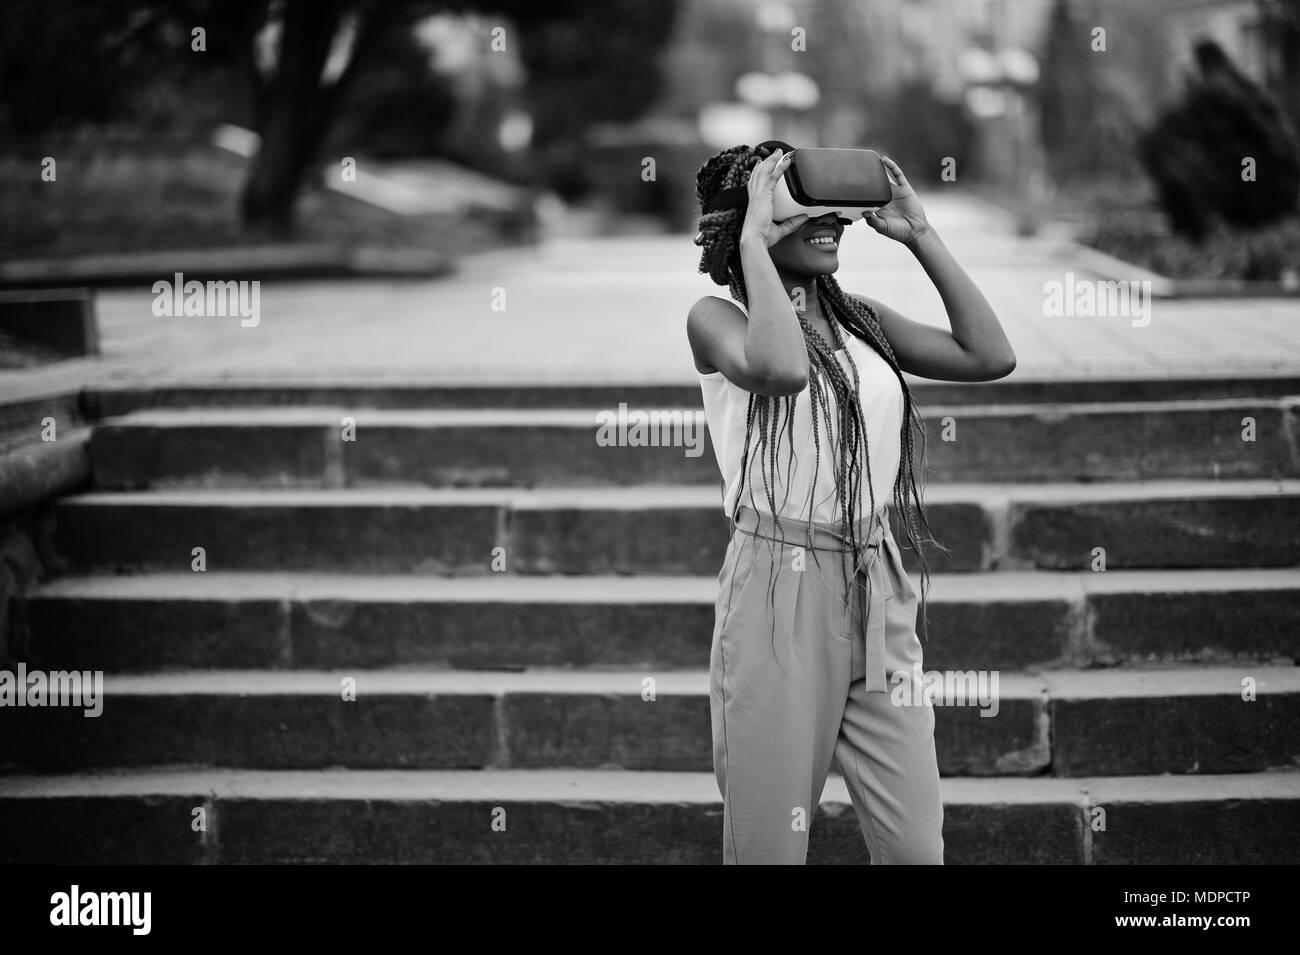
(813, 428)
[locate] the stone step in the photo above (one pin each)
(316, 446)
(121, 398)
(1066, 723)
(1009, 619)
(575, 816)
(659, 530)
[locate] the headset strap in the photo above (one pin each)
(734, 198)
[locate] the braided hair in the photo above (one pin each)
(836, 412)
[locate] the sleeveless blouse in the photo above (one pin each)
(880, 397)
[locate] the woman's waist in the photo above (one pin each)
(818, 534)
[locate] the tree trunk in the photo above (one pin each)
(294, 109)
(291, 116)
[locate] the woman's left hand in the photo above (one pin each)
(902, 219)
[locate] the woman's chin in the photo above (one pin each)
(824, 263)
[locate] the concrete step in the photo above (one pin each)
(1102, 441)
(574, 816)
(659, 530)
(364, 392)
(1006, 620)
(1066, 723)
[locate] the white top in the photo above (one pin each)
(881, 397)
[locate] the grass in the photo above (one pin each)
(143, 199)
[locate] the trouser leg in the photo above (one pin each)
(886, 751)
(779, 675)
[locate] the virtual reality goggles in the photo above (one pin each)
(847, 182)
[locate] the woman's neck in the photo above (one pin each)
(803, 293)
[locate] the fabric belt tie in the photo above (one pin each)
(876, 557)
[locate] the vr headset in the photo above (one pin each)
(847, 182)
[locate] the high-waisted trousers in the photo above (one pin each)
(811, 640)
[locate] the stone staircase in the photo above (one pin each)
(503, 716)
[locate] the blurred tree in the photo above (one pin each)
(398, 108)
(1196, 153)
(919, 131)
(599, 65)
(67, 64)
(1064, 93)
(1088, 102)
(1282, 22)
(290, 65)
(297, 99)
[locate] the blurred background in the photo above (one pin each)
(512, 120)
(464, 233)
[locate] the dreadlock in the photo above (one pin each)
(836, 412)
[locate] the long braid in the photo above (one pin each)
(836, 412)
(861, 319)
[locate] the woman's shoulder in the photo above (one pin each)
(712, 305)
(704, 326)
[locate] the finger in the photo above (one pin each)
(896, 174)
(785, 227)
(777, 171)
(876, 221)
(778, 162)
(764, 166)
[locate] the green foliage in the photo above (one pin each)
(1195, 152)
(1258, 255)
(397, 107)
(598, 66)
(1063, 95)
(918, 131)
(1088, 124)
(125, 62)
(614, 173)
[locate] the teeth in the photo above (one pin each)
(821, 240)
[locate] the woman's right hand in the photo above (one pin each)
(758, 216)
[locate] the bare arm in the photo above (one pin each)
(765, 354)
(976, 348)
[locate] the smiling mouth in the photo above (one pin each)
(825, 243)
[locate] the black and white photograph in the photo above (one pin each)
(650, 433)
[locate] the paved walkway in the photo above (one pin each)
(594, 309)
